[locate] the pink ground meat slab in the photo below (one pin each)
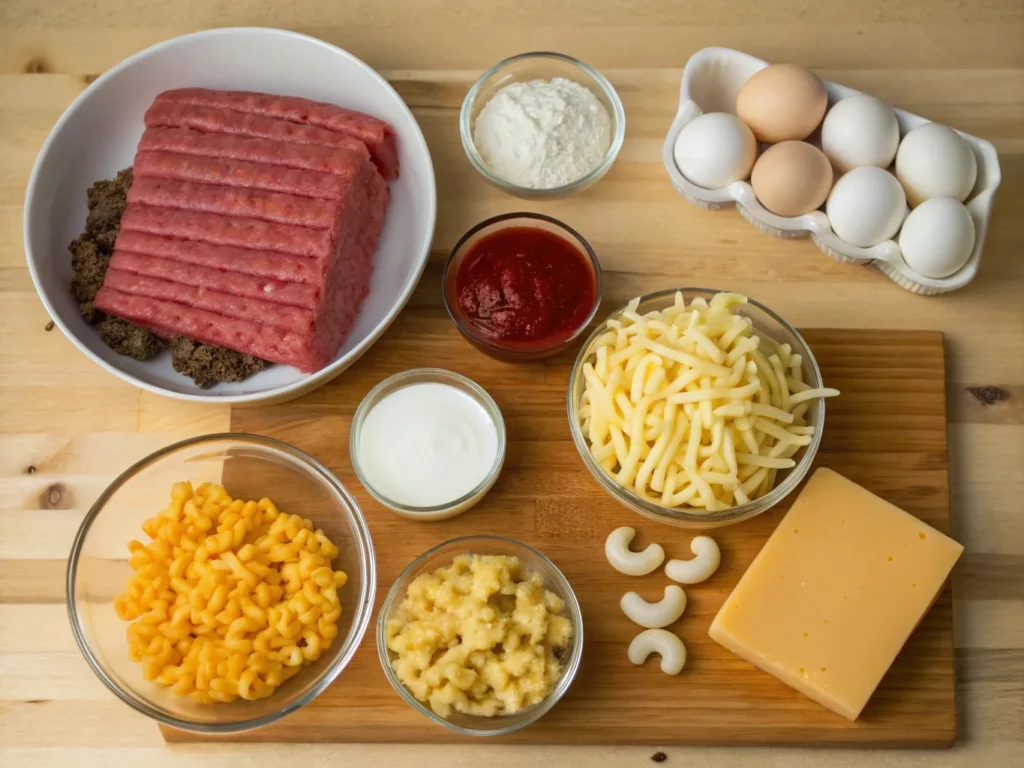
(309, 157)
(349, 282)
(217, 279)
(236, 202)
(243, 261)
(238, 173)
(293, 319)
(170, 318)
(213, 120)
(375, 133)
(265, 151)
(188, 310)
(228, 230)
(252, 223)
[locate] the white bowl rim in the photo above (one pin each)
(308, 382)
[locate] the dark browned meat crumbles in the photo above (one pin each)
(128, 339)
(107, 201)
(205, 364)
(90, 257)
(90, 265)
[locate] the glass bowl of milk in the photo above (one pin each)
(427, 443)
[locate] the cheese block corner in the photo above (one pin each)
(835, 592)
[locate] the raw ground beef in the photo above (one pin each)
(233, 231)
(247, 261)
(310, 157)
(238, 173)
(211, 120)
(376, 134)
(236, 202)
(91, 251)
(233, 283)
(251, 224)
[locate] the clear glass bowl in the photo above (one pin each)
(511, 352)
(248, 466)
(442, 556)
(764, 320)
(419, 376)
(541, 65)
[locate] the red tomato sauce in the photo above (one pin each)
(525, 286)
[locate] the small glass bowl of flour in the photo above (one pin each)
(542, 125)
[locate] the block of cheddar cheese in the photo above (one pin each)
(835, 592)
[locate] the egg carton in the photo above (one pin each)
(712, 79)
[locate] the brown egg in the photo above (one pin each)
(782, 102)
(792, 178)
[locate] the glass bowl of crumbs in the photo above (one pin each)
(542, 125)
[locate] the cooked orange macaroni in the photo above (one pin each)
(230, 598)
(480, 637)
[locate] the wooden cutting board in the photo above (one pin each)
(887, 431)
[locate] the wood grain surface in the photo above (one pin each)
(886, 431)
(67, 428)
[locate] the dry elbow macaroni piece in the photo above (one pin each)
(688, 407)
(623, 560)
(707, 558)
(481, 637)
(654, 615)
(663, 643)
(230, 598)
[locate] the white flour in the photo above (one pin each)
(543, 134)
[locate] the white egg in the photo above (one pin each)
(714, 150)
(935, 161)
(937, 238)
(866, 206)
(860, 131)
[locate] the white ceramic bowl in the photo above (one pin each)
(98, 134)
(712, 78)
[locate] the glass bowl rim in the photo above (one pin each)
(565, 591)
(618, 113)
(467, 330)
(363, 610)
(478, 393)
(668, 514)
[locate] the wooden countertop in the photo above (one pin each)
(67, 427)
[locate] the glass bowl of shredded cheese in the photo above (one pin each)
(221, 583)
(696, 407)
(542, 125)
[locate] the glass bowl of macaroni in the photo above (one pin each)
(248, 467)
(766, 324)
(564, 605)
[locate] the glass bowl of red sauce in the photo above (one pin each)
(522, 286)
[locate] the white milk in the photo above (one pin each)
(427, 444)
